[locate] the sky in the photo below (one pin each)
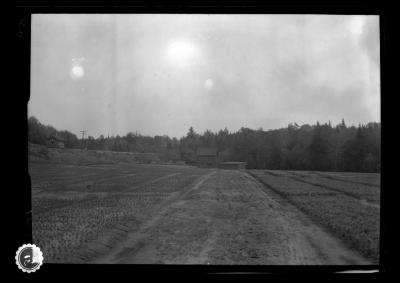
(159, 74)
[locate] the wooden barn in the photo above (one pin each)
(232, 165)
(55, 141)
(207, 157)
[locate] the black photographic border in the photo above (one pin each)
(21, 208)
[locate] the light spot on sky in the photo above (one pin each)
(356, 24)
(77, 72)
(209, 83)
(181, 53)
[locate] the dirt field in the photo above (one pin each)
(129, 213)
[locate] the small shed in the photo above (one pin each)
(55, 141)
(206, 157)
(232, 165)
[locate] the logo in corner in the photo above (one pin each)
(29, 258)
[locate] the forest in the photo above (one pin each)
(320, 147)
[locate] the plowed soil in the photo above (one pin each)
(228, 217)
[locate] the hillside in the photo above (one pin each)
(40, 153)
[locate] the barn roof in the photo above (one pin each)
(206, 151)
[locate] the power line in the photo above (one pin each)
(83, 137)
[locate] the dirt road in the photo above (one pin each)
(228, 217)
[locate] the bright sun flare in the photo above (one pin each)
(77, 72)
(181, 52)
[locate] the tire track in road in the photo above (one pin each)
(309, 239)
(133, 248)
(229, 217)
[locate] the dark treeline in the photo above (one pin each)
(167, 148)
(321, 147)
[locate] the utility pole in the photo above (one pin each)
(83, 136)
